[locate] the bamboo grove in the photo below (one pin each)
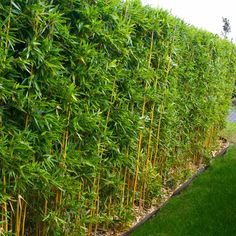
(103, 104)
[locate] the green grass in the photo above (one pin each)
(207, 207)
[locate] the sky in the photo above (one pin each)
(205, 14)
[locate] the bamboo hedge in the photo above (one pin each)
(103, 104)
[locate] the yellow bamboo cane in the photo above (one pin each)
(96, 204)
(23, 220)
(125, 179)
(142, 195)
(11, 224)
(18, 215)
(45, 214)
(4, 208)
(141, 132)
(149, 152)
(162, 106)
(58, 197)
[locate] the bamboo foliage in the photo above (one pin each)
(102, 105)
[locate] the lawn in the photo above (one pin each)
(207, 207)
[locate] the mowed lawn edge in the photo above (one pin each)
(206, 207)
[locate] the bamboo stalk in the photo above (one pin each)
(97, 200)
(2, 214)
(164, 99)
(96, 204)
(1, 205)
(60, 198)
(23, 220)
(149, 153)
(142, 195)
(56, 199)
(125, 178)
(26, 120)
(66, 136)
(18, 216)
(128, 198)
(152, 121)
(4, 207)
(45, 214)
(90, 227)
(158, 134)
(110, 198)
(79, 198)
(208, 139)
(109, 206)
(11, 224)
(66, 142)
(141, 133)
(137, 166)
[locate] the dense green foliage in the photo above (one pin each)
(207, 207)
(102, 103)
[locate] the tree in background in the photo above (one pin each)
(226, 27)
(225, 32)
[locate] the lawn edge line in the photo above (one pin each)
(176, 192)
